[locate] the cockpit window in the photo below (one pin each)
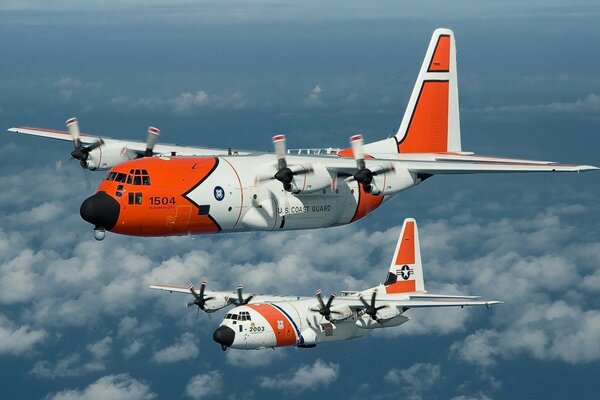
(135, 177)
(234, 317)
(244, 316)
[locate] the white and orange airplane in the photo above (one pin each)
(261, 321)
(164, 190)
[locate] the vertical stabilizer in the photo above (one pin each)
(431, 121)
(406, 271)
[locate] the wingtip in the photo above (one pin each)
(584, 168)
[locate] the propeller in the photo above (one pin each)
(80, 152)
(284, 174)
(364, 175)
(325, 308)
(371, 309)
(199, 298)
(151, 141)
(240, 301)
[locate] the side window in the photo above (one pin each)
(121, 177)
(134, 198)
(129, 179)
(204, 209)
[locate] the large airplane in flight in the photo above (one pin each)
(164, 190)
(262, 321)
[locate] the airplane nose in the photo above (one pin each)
(100, 210)
(224, 335)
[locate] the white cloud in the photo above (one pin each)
(307, 377)
(184, 348)
(419, 376)
(186, 102)
(68, 82)
(314, 97)
(478, 396)
(257, 358)
(110, 387)
(555, 331)
(67, 366)
(590, 103)
(18, 340)
(205, 385)
(100, 348)
(132, 348)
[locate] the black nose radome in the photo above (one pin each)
(224, 335)
(100, 210)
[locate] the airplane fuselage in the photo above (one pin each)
(162, 196)
(291, 322)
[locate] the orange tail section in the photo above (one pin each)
(406, 271)
(431, 121)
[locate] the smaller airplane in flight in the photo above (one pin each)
(263, 321)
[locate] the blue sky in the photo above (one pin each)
(76, 319)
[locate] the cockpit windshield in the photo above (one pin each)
(242, 316)
(136, 177)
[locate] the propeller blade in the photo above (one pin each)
(202, 287)
(151, 140)
(73, 127)
(384, 170)
(239, 294)
(320, 298)
(330, 300)
(373, 298)
(94, 145)
(280, 151)
(357, 143)
(191, 289)
(360, 297)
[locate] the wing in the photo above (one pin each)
(415, 300)
(216, 300)
(470, 164)
(138, 147)
(187, 290)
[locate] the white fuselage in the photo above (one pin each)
(291, 322)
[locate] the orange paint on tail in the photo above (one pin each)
(428, 126)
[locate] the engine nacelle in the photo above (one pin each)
(394, 181)
(388, 316)
(340, 312)
(308, 338)
(216, 304)
(317, 179)
(107, 156)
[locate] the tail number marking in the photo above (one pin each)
(162, 201)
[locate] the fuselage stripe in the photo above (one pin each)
(290, 319)
(241, 192)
